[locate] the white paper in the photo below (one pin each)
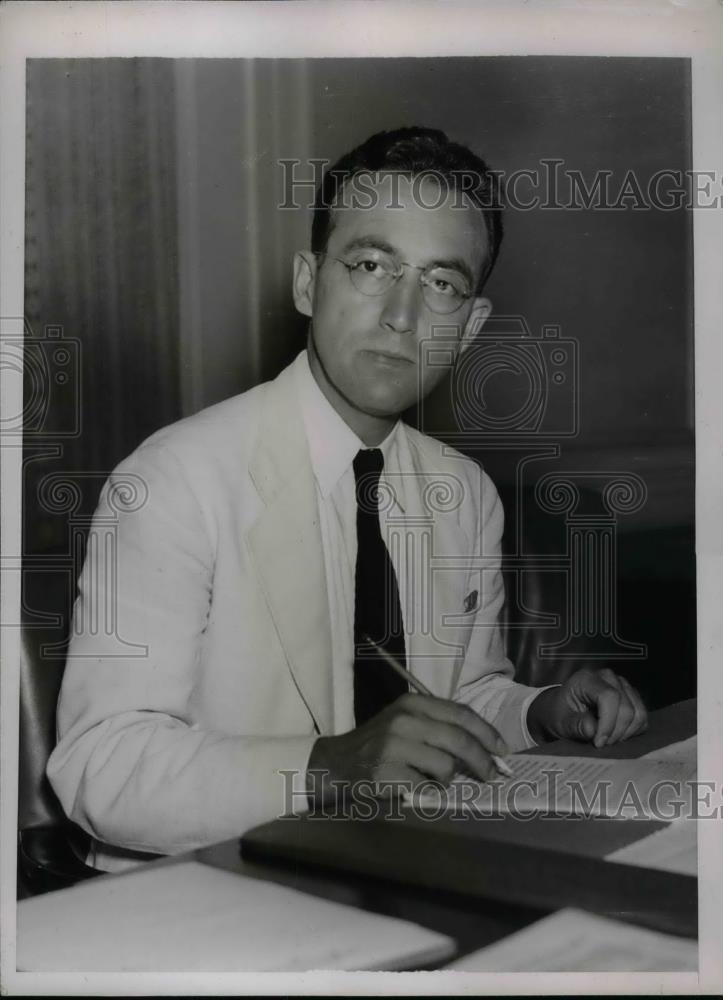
(672, 849)
(683, 752)
(574, 941)
(191, 917)
(581, 786)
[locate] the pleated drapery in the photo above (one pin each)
(101, 270)
(236, 121)
(156, 249)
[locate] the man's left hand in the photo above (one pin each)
(592, 705)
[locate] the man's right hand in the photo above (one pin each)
(414, 738)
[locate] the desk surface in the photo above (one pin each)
(479, 881)
(519, 888)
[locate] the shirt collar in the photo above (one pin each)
(332, 443)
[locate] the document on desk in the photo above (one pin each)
(672, 849)
(580, 786)
(192, 917)
(574, 941)
(684, 752)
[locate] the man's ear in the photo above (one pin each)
(477, 318)
(304, 280)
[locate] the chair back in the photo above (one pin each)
(46, 614)
(51, 849)
(536, 582)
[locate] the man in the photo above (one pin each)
(282, 530)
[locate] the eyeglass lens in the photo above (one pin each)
(444, 290)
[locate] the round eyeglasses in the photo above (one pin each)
(444, 289)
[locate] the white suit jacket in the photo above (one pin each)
(200, 661)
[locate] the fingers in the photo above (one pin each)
(582, 726)
(623, 710)
(631, 717)
(464, 751)
(606, 698)
(639, 721)
(432, 762)
(394, 773)
(443, 748)
(416, 737)
(453, 714)
(619, 708)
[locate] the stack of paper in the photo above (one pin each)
(684, 752)
(575, 941)
(582, 786)
(191, 917)
(672, 849)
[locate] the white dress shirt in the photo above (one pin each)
(333, 446)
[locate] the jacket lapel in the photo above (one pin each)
(432, 550)
(287, 550)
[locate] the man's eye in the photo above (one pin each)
(368, 266)
(447, 284)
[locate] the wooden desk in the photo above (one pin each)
(505, 873)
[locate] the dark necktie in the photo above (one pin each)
(377, 611)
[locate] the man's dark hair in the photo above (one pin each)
(415, 151)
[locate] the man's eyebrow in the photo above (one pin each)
(370, 243)
(454, 264)
(377, 243)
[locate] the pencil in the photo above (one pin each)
(502, 766)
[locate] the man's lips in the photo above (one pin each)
(389, 358)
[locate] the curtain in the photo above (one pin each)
(158, 261)
(236, 121)
(101, 303)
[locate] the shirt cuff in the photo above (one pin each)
(296, 789)
(529, 742)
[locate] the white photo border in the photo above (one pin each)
(358, 28)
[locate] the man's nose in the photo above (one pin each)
(401, 304)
